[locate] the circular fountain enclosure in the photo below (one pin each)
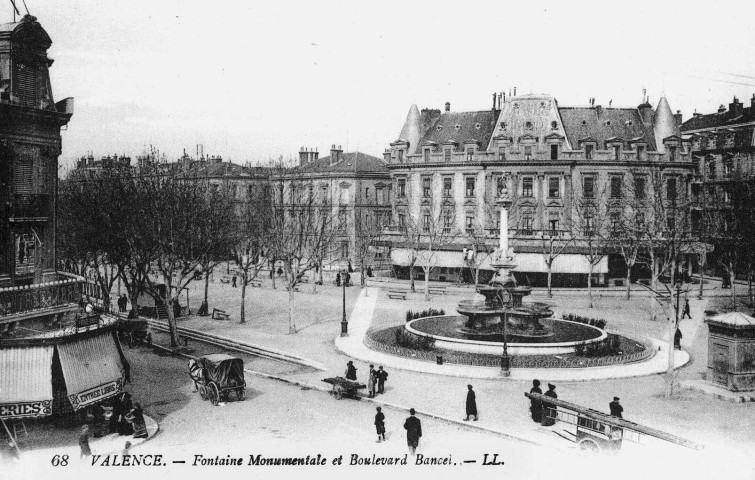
(447, 334)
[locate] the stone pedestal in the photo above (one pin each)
(731, 351)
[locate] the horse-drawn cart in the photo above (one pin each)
(344, 388)
(217, 375)
(133, 331)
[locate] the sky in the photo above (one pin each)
(253, 81)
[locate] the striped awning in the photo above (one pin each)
(92, 369)
(25, 386)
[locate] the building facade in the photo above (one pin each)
(723, 149)
(548, 159)
(30, 144)
(356, 186)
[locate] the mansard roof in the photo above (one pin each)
(350, 162)
(477, 126)
(600, 124)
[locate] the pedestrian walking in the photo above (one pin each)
(233, 281)
(351, 371)
(372, 380)
(413, 428)
(471, 403)
(678, 339)
(347, 279)
(350, 269)
(536, 406)
(686, 310)
(380, 424)
(369, 271)
(338, 279)
(382, 377)
(616, 408)
(84, 442)
(549, 417)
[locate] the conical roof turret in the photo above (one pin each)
(411, 130)
(664, 124)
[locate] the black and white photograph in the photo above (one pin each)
(333, 239)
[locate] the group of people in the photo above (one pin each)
(412, 425)
(375, 378)
(546, 414)
(127, 418)
(122, 303)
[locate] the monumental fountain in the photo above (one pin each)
(503, 324)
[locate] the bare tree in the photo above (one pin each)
(481, 247)
(367, 231)
(254, 230)
(589, 227)
(301, 234)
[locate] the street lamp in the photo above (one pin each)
(344, 322)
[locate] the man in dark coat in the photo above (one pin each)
(686, 310)
(351, 371)
(413, 431)
(382, 376)
(380, 424)
(471, 403)
(678, 339)
(616, 407)
(549, 411)
(536, 406)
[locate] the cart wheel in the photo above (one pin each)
(241, 393)
(203, 392)
(589, 445)
(214, 393)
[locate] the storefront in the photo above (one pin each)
(58, 376)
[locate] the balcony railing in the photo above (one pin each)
(29, 206)
(17, 300)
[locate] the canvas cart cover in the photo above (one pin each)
(223, 369)
(25, 381)
(92, 369)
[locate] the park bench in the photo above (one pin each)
(225, 279)
(397, 294)
(438, 291)
(218, 314)
(255, 283)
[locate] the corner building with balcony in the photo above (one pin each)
(30, 143)
(548, 158)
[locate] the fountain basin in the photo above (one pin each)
(447, 333)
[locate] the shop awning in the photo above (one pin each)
(25, 387)
(92, 369)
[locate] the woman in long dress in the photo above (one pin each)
(536, 406)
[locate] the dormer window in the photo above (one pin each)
(617, 152)
(426, 153)
(672, 154)
(554, 152)
(554, 125)
(501, 153)
(588, 151)
(470, 154)
(400, 155)
(640, 152)
(447, 155)
(528, 125)
(528, 152)
(477, 125)
(503, 125)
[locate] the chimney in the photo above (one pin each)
(598, 109)
(736, 107)
(646, 112)
(696, 114)
(448, 106)
(303, 156)
(678, 117)
(721, 109)
(335, 154)
(494, 99)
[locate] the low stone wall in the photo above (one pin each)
(373, 340)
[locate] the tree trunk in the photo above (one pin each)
(411, 277)
(242, 314)
(291, 323)
(174, 338)
(701, 262)
(427, 284)
(589, 286)
(550, 277)
(653, 284)
(732, 276)
(361, 273)
(629, 280)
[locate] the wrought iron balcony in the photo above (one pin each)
(23, 301)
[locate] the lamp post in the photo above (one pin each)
(344, 323)
(505, 359)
